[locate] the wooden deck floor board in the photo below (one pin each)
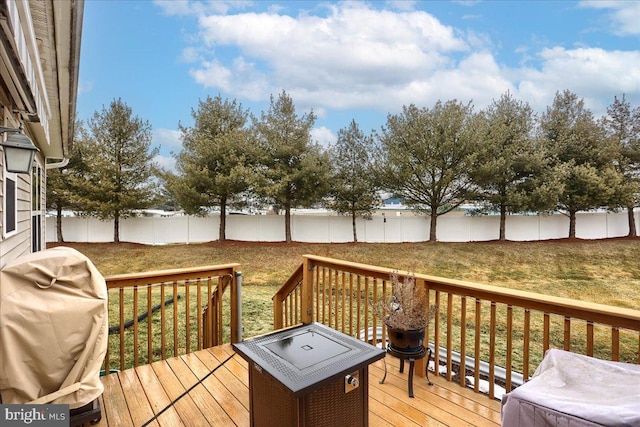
(376, 421)
(419, 409)
(136, 398)
(132, 397)
(236, 386)
(115, 406)
(236, 365)
(187, 409)
(200, 394)
(441, 400)
(158, 398)
(224, 395)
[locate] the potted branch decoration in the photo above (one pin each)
(406, 313)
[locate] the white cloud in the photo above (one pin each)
(183, 7)
(84, 87)
(358, 56)
(467, 2)
(593, 74)
(191, 54)
(624, 15)
(324, 136)
(171, 7)
(167, 138)
(405, 5)
(166, 163)
(241, 79)
(354, 50)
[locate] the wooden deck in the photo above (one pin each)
(134, 396)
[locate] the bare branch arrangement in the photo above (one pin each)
(407, 307)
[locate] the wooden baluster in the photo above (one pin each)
(436, 337)
(219, 318)
(175, 318)
(366, 310)
(615, 344)
(211, 314)
(107, 360)
(287, 310)
(449, 334)
(590, 338)
(187, 314)
(136, 355)
(375, 318)
(492, 351)
(344, 301)
(121, 294)
(199, 316)
(299, 304)
(358, 307)
(163, 329)
(337, 299)
(463, 340)
(350, 304)
(545, 334)
(149, 325)
(324, 295)
(526, 344)
(317, 286)
(476, 383)
(384, 326)
(509, 361)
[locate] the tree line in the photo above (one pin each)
(505, 158)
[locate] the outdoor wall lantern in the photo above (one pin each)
(18, 150)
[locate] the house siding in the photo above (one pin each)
(40, 98)
(20, 243)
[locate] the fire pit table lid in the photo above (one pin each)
(307, 356)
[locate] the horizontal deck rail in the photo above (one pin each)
(161, 314)
(491, 326)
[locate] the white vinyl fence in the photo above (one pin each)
(337, 229)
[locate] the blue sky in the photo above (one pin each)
(351, 60)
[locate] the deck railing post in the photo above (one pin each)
(306, 303)
(277, 312)
(236, 307)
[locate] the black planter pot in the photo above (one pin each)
(406, 341)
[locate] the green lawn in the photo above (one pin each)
(602, 271)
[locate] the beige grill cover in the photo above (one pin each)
(53, 328)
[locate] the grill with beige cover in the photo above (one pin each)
(53, 331)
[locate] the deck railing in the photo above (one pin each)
(161, 314)
(480, 331)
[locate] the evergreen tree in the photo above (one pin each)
(214, 166)
(507, 157)
(581, 154)
(353, 187)
(117, 153)
(62, 191)
(426, 157)
(623, 126)
(293, 170)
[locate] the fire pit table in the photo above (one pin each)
(309, 375)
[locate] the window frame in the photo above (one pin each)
(37, 206)
(6, 204)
